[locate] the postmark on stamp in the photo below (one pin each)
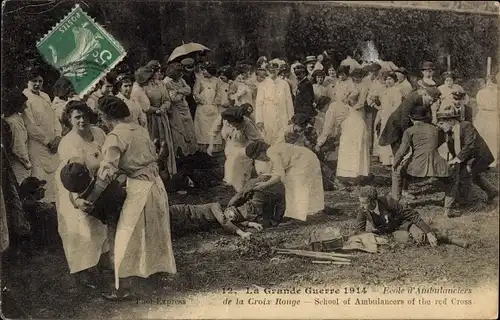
(81, 50)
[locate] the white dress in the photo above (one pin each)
(19, 147)
(353, 152)
(274, 108)
(300, 171)
(390, 99)
(237, 167)
(486, 120)
(207, 112)
(84, 237)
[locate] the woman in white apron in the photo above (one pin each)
(84, 237)
(43, 133)
(353, 155)
(300, 171)
(390, 99)
(205, 93)
(143, 244)
(486, 121)
(123, 88)
(238, 130)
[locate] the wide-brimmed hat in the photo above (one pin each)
(427, 65)
(310, 59)
(154, 64)
(13, 101)
(30, 185)
(419, 112)
(447, 113)
(143, 74)
(372, 67)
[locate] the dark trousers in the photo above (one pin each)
(399, 176)
(369, 121)
(460, 182)
(270, 206)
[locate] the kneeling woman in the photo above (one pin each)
(300, 171)
(143, 244)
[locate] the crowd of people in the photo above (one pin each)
(288, 131)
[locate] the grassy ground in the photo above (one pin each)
(209, 261)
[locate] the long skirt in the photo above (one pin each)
(304, 194)
(159, 128)
(204, 120)
(84, 237)
(143, 244)
(353, 155)
(238, 167)
(20, 171)
(182, 127)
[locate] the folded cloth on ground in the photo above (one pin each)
(367, 242)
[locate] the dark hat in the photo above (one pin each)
(243, 67)
(187, 62)
(75, 177)
(458, 94)
(310, 59)
(113, 107)
(357, 73)
(402, 71)
(300, 119)
(30, 185)
(447, 113)
(143, 74)
(154, 64)
(419, 112)
(226, 71)
(254, 149)
(427, 65)
(233, 114)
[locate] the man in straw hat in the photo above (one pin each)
(424, 160)
(470, 157)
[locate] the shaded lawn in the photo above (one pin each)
(209, 261)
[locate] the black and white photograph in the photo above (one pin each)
(165, 159)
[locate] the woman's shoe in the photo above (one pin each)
(118, 295)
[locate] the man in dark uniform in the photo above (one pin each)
(471, 157)
(190, 77)
(397, 124)
(304, 96)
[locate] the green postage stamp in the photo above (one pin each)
(81, 50)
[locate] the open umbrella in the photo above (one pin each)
(186, 49)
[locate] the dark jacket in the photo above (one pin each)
(304, 97)
(393, 216)
(190, 79)
(473, 149)
(425, 161)
(399, 120)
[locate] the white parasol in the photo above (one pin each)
(186, 49)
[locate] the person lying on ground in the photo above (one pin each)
(387, 215)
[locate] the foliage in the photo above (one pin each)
(245, 30)
(405, 36)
